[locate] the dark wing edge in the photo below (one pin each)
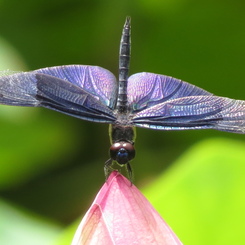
(194, 112)
(63, 96)
(95, 80)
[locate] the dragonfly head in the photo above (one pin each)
(122, 152)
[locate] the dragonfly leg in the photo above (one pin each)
(108, 168)
(130, 172)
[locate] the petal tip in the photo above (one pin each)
(116, 176)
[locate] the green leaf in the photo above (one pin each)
(202, 195)
(32, 144)
(9, 57)
(19, 227)
(68, 234)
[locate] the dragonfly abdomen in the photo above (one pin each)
(124, 61)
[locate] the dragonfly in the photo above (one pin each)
(143, 99)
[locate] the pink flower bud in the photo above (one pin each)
(121, 215)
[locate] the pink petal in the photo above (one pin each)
(121, 215)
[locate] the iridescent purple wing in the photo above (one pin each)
(95, 80)
(182, 106)
(86, 92)
(149, 89)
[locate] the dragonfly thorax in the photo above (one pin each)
(122, 152)
(121, 133)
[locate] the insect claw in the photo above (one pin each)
(130, 172)
(108, 168)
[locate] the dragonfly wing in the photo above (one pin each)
(194, 112)
(86, 92)
(92, 79)
(18, 89)
(63, 96)
(149, 89)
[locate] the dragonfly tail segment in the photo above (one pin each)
(124, 61)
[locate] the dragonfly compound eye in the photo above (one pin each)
(122, 152)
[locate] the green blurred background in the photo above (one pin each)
(51, 165)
